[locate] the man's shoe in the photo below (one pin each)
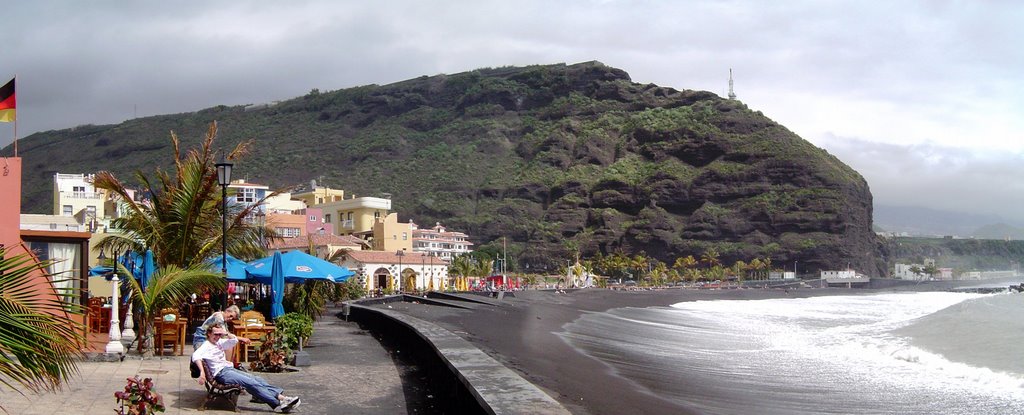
(286, 404)
(292, 404)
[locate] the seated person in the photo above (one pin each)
(217, 342)
(218, 317)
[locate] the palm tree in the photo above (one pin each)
(169, 287)
(710, 258)
(739, 268)
(39, 341)
(181, 224)
(461, 267)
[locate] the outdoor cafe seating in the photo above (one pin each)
(98, 315)
(169, 329)
(253, 326)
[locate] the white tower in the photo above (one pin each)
(732, 94)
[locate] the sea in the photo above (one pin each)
(883, 353)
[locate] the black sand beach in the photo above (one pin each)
(522, 334)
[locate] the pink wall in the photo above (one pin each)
(313, 227)
(10, 201)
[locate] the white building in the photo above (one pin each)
(440, 241)
(74, 195)
(844, 274)
(378, 271)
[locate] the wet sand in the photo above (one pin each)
(521, 332)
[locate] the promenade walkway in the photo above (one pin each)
(352, 373)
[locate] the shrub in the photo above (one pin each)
(272, 355)
(292, 327)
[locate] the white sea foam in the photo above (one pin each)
(801, 355)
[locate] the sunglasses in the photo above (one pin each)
(217, 334)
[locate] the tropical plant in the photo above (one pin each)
(930, 270)
(348, 290)
(293, 327)
(181, 219)
(710, 258)
(139, 398)
(309, 298)
(181, 223)
(462, 266)
(273, 353)
(39, 341)
(168, 287)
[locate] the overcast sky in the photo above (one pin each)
(923, 98)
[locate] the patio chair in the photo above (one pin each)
(217, 390)
(256, 338)
(252, 318)
(168, 331)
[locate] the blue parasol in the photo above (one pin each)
(277, 286)
(298, 267)
(147, 269)
(235, 268)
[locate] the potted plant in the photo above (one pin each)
(139, 398)
(273, 354)
(293, 328)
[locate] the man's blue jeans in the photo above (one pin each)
(255, 385)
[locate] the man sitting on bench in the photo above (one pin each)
(218, 340)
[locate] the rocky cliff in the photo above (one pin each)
(556, 158)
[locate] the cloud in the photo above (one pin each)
(930, 90)
(939, 177)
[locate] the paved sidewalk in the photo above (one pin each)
(352, 373)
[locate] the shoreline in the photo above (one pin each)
(523, 334)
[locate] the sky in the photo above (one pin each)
(923, 98)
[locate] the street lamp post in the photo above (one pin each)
(400, 254)
(224, 178)
(114, 345)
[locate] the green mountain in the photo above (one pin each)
(556, 158)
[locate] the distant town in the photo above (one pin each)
(363, 234)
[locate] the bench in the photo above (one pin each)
(215, 389)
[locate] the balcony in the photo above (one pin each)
(348, 224)
(82, 195)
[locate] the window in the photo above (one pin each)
(376, 215)
(287, 232)
(79, 190)
(349, 215)
(405, 236)
(68, 210)
(246, 195)
(312, 218)
(327, 218)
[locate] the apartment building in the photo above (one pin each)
(440, 241)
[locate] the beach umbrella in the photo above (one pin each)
(100, 270)
(277, 286)
(236, 268)
(147, 269)
(298, 267)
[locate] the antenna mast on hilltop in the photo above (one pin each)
(732, 94)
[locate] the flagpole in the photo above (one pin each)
(15, 115)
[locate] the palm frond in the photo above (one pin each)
(39, 341)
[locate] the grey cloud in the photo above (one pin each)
(951, 64)
(943, 178)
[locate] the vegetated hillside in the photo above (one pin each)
(959, 254)
(557, 158)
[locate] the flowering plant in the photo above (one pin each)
(139, 398)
